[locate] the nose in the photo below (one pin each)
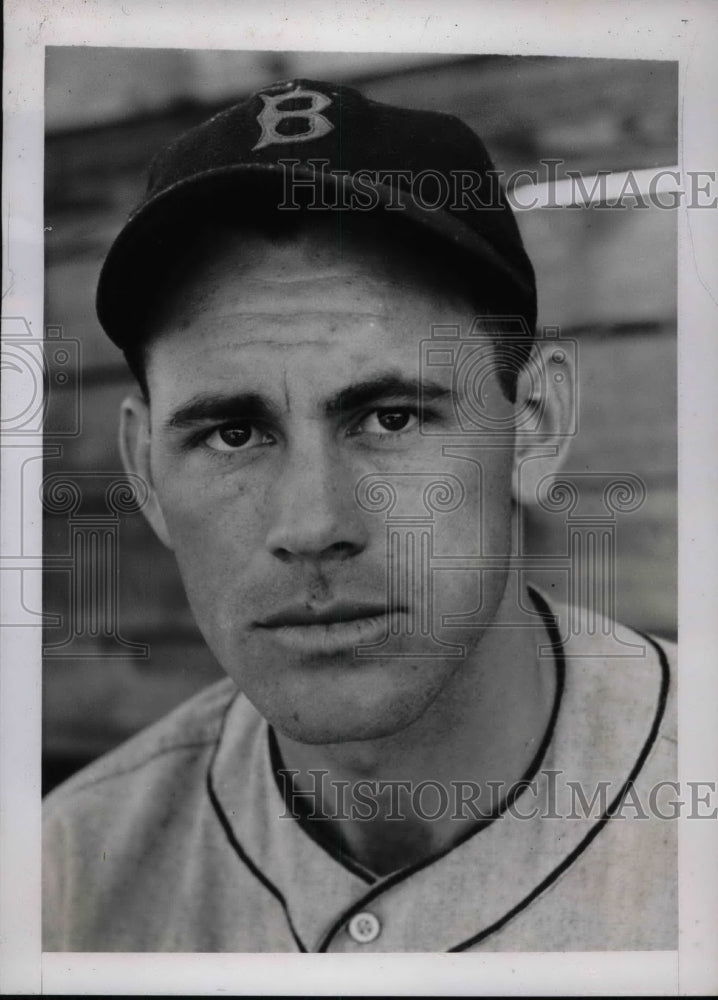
(314, 514)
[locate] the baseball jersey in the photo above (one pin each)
(180, 839)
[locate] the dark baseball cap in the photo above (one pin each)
(304, 144)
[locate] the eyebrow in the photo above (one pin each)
(383, 387)
(252, 406)
(204, 407)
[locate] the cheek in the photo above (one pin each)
(496, 505)
(464, 598)
(217, 543)
(481, 522)
(213, 523)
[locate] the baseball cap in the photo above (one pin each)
(305, 144)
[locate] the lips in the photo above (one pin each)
(333, 614)
(332, 629)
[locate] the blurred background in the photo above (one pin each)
(606, 277)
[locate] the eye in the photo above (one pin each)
(389, 421)
(236, 436)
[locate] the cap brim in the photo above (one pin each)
(140, 254)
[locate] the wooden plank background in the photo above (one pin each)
(607, 278)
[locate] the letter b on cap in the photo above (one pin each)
(270, 116)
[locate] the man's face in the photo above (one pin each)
(281, 374)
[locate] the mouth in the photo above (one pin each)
(332, 629)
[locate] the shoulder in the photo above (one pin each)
(185, 733)
(126, 820)
(619, 682)
(667, 652)
(633, 673)
(615, 767)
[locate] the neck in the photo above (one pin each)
(400, 799)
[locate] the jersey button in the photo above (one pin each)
(364, 928)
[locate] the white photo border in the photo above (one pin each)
(683, 31)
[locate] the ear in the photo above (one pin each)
(545, 415)
(135, 438)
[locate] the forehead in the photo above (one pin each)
(299, 312)
(291, 267)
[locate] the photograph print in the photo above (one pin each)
(359, 502)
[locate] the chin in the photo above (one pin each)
(338, 730)
(356, 709)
